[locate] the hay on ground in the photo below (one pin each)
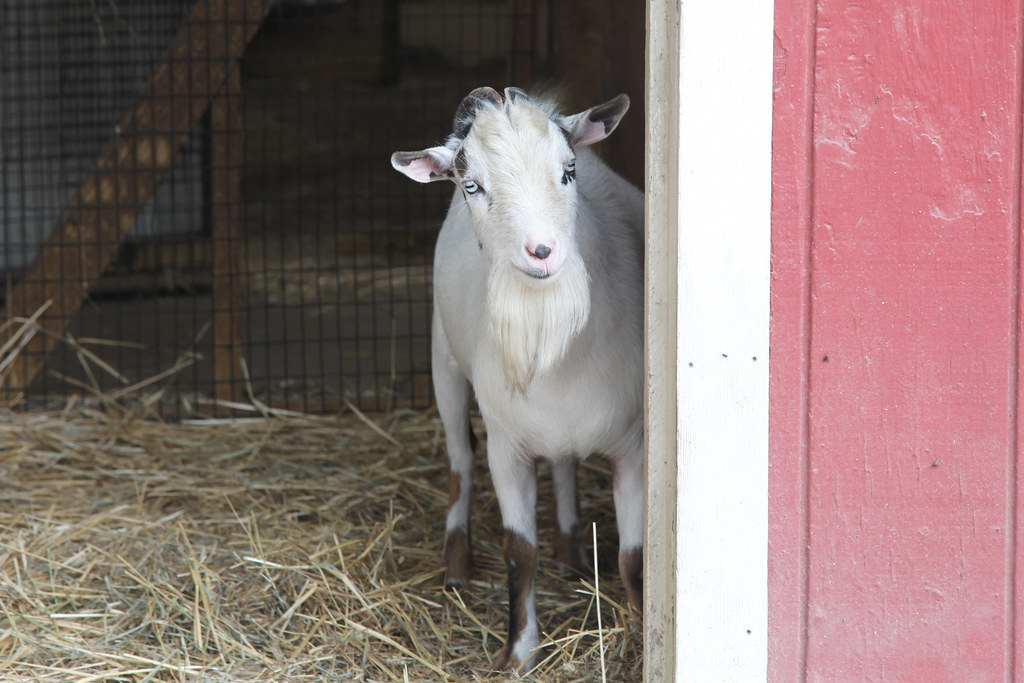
(270, 549)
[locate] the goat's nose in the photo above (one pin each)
(542, 251)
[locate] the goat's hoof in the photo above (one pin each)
(631, 564)
(505, 662)
(456, 574)
(572, 565)
(458, 559)
(573, 572)
(570, 554)
(459, 582)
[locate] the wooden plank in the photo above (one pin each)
(792, 172)
(390, 64)
(706, 314)
(225, 197)
(132, 165)
(624, 57)
(661, 313)
(725, 117)
(915, 269)
(579, 30)
(600, 45)
(523, 42)
(1015, 469)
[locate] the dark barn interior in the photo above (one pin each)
(275, 258)
(218, 452)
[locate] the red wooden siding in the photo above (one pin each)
(895, 327)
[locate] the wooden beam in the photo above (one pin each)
(127, 173)
(723, 203)
(524, 21)
(390, 65)
(625, 57)
(661, 320)
(600, 43)
(225, 196)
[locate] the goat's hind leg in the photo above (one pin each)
(568, 537)
(452, 391)
(628, 490)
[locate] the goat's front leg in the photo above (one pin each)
(458, 539)
(452, 390)
(568, 541)
(515, 483)
(628, 492)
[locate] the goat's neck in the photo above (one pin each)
(533, 327)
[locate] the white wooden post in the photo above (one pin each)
(709, 104)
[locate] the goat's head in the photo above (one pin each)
(516, 164)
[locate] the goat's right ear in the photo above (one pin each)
(425, 166)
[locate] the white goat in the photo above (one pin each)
(538, 304)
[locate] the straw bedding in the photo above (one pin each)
(271, 549)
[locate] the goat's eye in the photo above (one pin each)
(469, 186)
(569, 172)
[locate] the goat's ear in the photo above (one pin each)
(596, 123)
(425, 166)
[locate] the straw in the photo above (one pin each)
(271, 548)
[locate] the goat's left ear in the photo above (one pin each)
(425, 166)
(596, 123)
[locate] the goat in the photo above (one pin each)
(538, 306)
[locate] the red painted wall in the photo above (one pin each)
(895, 431)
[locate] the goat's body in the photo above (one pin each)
(538, 310)
(592, 400)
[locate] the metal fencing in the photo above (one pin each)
(196, 202)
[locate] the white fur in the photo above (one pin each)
(556, 363)
(523, 648)
(584, 388)
(532, 328)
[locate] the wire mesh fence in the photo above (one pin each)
(196, 196)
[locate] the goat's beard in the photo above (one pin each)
(533, 325)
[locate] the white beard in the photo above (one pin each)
(533, 326)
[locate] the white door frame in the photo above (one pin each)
(708, 268)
